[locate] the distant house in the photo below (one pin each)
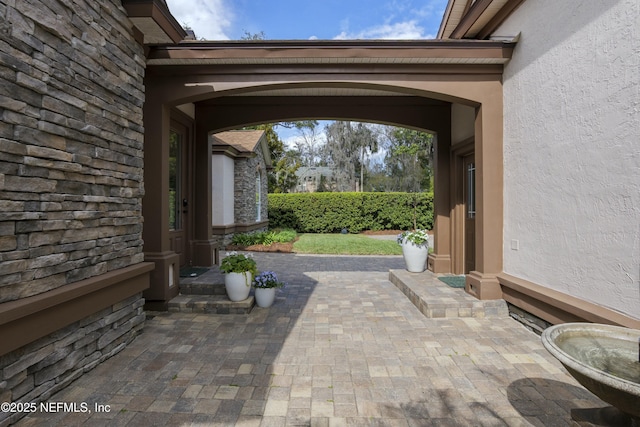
(313, 178)
(240, 161)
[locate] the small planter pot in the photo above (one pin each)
(265, 296)
(415, 257)
(238, 285)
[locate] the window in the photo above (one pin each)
(258, 197)
(471, 190)
(175, 192)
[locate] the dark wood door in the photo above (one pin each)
(469, 170)
(178, 191)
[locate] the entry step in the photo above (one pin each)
(436, 299)
(214, 304)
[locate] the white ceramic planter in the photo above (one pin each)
(415, 257)
(265, 296)
(238, 285)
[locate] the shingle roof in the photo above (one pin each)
(242, 140)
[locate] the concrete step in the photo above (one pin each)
(202, 288)
(435, 298)
(214, 304)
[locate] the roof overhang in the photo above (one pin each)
(154, 21)
(474, 19)
(331, 52)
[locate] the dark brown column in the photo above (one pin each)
(440, 260)
(155, 204)
(483, 282)
(204, 251)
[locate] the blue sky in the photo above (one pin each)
(304, 20)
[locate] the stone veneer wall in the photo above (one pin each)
(38, 370)
(71, 176)
(245, 188)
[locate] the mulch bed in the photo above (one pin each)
(288, 247)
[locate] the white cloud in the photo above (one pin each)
(397, 31)
(209, 19)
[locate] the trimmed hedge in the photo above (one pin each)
(332, 212)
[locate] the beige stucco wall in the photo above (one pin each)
(222, 179)
(462, 122)
(571, 150)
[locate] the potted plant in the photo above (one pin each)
(415, 249)
(265, 285)
(239, 270)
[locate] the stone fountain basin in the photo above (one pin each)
(603, 358)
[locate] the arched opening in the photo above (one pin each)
(461, 105)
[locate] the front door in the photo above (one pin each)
(469, 168)
(178, 191)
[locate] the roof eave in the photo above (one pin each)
(154, 20)
(299, 52)
(478, 21)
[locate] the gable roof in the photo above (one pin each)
(245, 141)
(241, 143)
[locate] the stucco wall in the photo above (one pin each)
(462, 122)
(572, 150)
(222, 176)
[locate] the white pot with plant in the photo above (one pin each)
(239, 270)
(415, 249)
(265, 285)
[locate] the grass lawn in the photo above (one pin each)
(345, 244)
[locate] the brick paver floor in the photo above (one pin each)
(341, 346)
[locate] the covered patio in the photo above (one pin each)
(450, 88)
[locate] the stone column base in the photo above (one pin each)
(205, 253)
(483, 286)
(165, 278)
(439, 263)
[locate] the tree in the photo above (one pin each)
(309, 144)
(284, 166)
(257, 36)
(284, 174)
(348, 144)
(409, 159)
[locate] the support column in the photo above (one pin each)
(440, 260)
(483, 282)
(205, 253)
(155, 205)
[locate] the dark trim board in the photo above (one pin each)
(26, 320)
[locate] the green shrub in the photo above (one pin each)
(332, 212)
(285, 236)
(263, 237)
(243, 239)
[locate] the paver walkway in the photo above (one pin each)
(341, 346)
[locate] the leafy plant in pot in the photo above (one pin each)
(239, 270)
(415, 249)
(265, 285)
